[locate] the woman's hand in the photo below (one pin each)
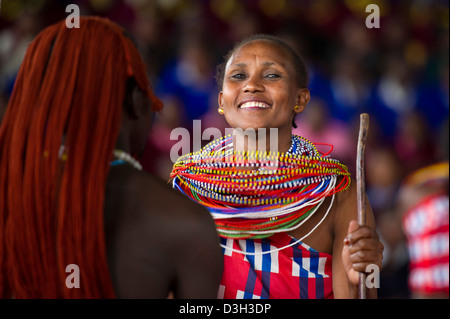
(362, 247)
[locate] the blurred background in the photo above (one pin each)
(398, 73)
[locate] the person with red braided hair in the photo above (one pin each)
(285, 212)
(71, 193)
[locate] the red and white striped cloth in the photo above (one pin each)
(426, 226)
(265, 272)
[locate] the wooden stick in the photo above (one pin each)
(361, 191)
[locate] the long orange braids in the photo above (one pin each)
(69, 92)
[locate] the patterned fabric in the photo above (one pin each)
(427, 229)
(294, 272)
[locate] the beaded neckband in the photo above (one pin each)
(255, 195)
(120, 157)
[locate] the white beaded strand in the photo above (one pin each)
(124, 156)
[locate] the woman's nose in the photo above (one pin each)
(253, 84)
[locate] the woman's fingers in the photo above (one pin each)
(363, 246)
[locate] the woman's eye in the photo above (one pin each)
(238, 76)
(272, 76)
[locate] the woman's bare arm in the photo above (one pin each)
(354, 247)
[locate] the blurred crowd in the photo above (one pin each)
(398, 73)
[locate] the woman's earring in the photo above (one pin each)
(220, 110)
(296, 108)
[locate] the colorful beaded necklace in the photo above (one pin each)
(254, 195)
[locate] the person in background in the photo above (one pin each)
(73, 197)
(424, 208)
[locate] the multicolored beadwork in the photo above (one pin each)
(254, 195)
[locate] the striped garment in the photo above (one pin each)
(427, 229)
(298, 271)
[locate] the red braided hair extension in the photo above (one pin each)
(69, 91)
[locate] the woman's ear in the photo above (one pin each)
(220, 99)
(303, 98)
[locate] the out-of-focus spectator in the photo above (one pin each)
(146, 31)
(13, 44)
(384, 171)
(413, 141)
(394, 95)
(433, 97)
(351, 76)
(350, 90)
(395, 271)
(187, 83)
(187, 87)
(424, 203)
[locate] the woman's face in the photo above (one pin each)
(259, 88)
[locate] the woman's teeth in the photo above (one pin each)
(254, 104)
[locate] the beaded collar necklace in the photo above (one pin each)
(255, 195)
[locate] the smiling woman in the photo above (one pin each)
(261, 88)
(272, 208)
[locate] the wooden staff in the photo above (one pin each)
(361, 191)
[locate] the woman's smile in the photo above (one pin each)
(254, 105)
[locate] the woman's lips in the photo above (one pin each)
(254, 104)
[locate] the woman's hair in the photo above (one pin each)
(56, 141)
(297, 61)
(301, 72)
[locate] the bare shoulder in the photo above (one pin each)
(187, 239)
(348, 196)
(346, 209)
(155, 202)
(149, 227)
